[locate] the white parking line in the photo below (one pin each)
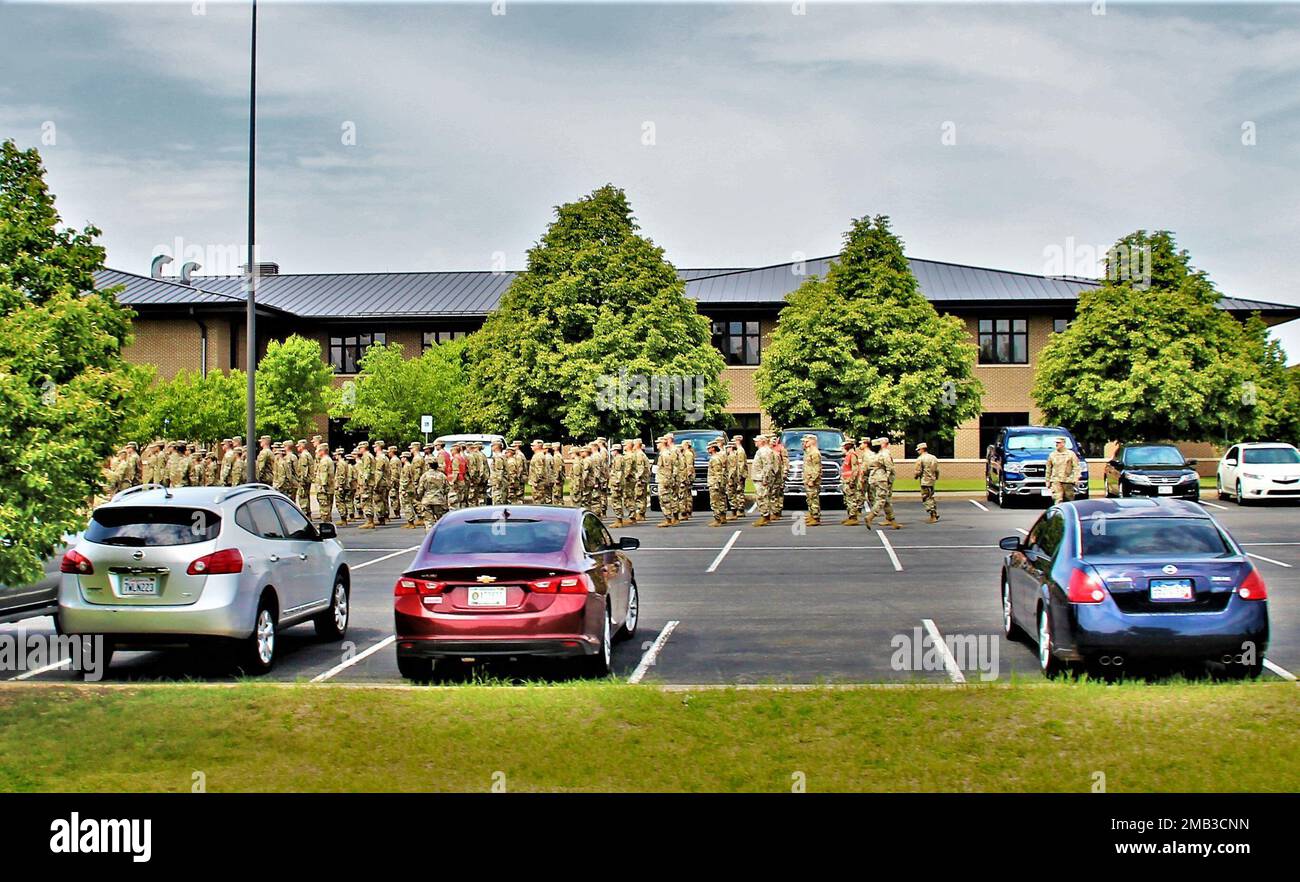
(1214, 505)
(949, 663)
(893, 558)
(27, 675)
(651, 655)
(1267, 559)
(1022, 531)
(723, 553)
(1280, 671)
(385, 557)
(977, 504)
(1262, 544)
(321, 678)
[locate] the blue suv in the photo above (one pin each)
(1015, 466)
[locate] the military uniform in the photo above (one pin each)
(765, 471)
(265, 465)
(618, 464)
(365, 477)
(433, 495)
(738, 466)
(516, 475)
(812, 480)
(539, 475)
(343, 484)
(555, 468)
(1062, 473)
(927, 473)
(882, 483)
(666, 479)
(719, 481)
(406, 483)
(323, 484)
(849, 485)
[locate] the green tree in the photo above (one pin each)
(189, 406)
(293, 382)
(1278, 395)
(595, 337)
(863, 350)
(1150, 356)
(63, 385)
(391, 392)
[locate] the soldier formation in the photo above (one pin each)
(376, 482)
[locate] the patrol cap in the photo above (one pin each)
(338, 449)
(428, 447)
(227, 441)
(864, 440)
(304, 440)
(921, 446)
(265, 438)
(516, 444)
(1060, 439)
(361, 444)
(616, 446)
(406, 454)
(537, 442)
(881, 440)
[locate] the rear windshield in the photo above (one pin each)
(491, 536)
(1270, 455)
(1152, 537)
(1038, 441)
(152, 525)
(826, 441)
(1153, 456)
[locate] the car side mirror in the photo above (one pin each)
(1231, 463)
(628, 543)
(327, 531)
(1114, 463)
(1191, 462)
(1010, 543)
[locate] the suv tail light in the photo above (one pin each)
(76, 562)
(218, 563)
(1085, 586)
(1252, 587)
(409, 586)
(578, 583)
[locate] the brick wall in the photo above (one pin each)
(174, 345)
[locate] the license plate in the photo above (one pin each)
(494, 596)
(1045, 491)
(1165, 490)
(1171, 589)
(139, 585)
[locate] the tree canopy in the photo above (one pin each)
(1151, 357)
(188, 406)
(63, 384)
(292, 383)
(862, 349)
(391, 392)
(596, 336)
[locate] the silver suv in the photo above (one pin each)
(188, 565)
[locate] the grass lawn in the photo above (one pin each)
(612, 737)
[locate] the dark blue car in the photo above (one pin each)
(1108, 582)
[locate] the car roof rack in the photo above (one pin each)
(239, 489)
(140, 488)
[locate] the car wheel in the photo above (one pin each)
(105, 657)
(1246, 671)
(1048, 663)
(1002, 495)
(628, 630)
(418, 669)
(600, 664)
(1010, 629)
(333, 623)
(1241, 500)
(1218, 486)
(257, 651)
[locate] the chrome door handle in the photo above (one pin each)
(275, 558)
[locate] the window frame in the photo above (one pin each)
(994, 334)
(722, 335)
(451, 334)
(351, 343)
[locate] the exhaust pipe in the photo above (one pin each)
(1229, 658)
(1117, 661)
(1105, 660)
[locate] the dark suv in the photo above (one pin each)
(699, 439)
(831, 444)
(1152, 470)
(1015, 466)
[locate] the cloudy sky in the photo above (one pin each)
(424, 136)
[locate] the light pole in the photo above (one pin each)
(250, 355)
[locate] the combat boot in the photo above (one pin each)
(866, 522)
(409, 525)
(666, 522)
(850, 522)
(368, 525)
(812, 522)
(762, 521)
(716, 522)
(934, 516)
(618, 523)
(894, 524)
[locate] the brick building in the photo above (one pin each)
(199, 325)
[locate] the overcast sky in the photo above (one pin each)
(428, 137)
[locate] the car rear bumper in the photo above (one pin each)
(219, 612)
(453, 647)
(570, 625)
(1103, 628)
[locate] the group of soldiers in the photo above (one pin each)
(376, 482)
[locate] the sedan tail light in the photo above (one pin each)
(1252, 587)
(1085, 586)
(578, 583)
(218, 563)
(409, 586)
(76, 562)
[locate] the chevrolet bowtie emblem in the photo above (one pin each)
(486, 579)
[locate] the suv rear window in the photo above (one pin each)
(496, 536)
(1153, 537)
(152, 525)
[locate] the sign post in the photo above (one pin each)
(426, 426)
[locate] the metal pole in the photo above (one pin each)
(250, 355)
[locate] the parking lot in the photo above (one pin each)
(778, 604)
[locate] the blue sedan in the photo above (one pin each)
(1111, 581)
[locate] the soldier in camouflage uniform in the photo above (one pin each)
(407, 482)
(394, 483)
(265, 464)
(686, 479)
(882, 481)
(306, 464)
(322, 485)
(343, 483)
(666, 478)
(738, 464)
(614, 487)
(812, 480)
(539, 474)
(433, 495)
(365, 483)
(555, 472)
(765, 470)
(719, 480)
(640, 481)
(927, 473)
(1063, 472)
(850, 474)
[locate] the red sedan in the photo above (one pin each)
(502, 581)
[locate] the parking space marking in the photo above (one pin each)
(1262, 544)
(723, 553)
(977, 504)
(651, 655)
(893, 558)
(1214, 505)
(321, 678)
(1022, 531)
(52, 666)
(1267, 559)
(949, 663)
(385, 557)
(1280, 671)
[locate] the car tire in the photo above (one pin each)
(1010, 629)
(600, 664)
(1241, 498)
(333, 623)
(1218, 487)
(1048, 663)
(420, 670)
(107, 648)
(1245, 672)
(1002, 495)
(628, 631)
(257, 651)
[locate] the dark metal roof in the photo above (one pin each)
(146, 291)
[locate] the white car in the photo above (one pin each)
(487, 441)
(230, 566)
(1259, 470)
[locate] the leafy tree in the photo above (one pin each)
(391, 392)
(1278, 395)
(63, 385)
(595, 337)
(293, 381)
(189, 406)
(864, 351)
(1150, 356)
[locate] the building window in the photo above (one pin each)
(737, 341)
(346, 349)
(431, 338)
(992, 423)
(1004, 341)
(1059, 325)
(935, 444)
(747, 425)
